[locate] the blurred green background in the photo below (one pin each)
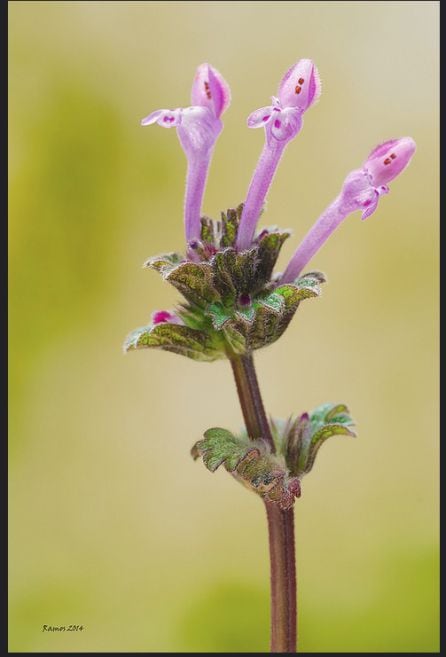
(112, 525)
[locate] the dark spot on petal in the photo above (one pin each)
(277, 123)
(393, 156)
(387, 160)
(298, 89)
(207, 90)
(301, 80)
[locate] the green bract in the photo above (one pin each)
(234, 304)
(276, 477)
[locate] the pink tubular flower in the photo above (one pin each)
(361, 191)
(165, 317)
(198, 128)
(299, 89)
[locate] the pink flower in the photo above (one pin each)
(298, 90)
(165, 317)
(361, 191)
(198, 128)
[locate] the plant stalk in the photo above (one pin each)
(280, 522)
(251, 400)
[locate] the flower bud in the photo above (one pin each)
(300, 86)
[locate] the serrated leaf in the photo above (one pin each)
(336, 409)
(320, 437)
(222, 264)
(250, 462)
(318, 275)
(322, 424)
(265, 328)
(268, 252)
(164, 263)
(241, 268)
(214, 286)
(319, 414)
(179, 339)
(230, 223)
(294, 294)
(220, 446)
(194, 281)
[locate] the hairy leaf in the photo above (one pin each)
(323, 422)
(230, 223)
(250, 462)
(220, 446)
(268, 252)
(179, 339)
(194, 281)
(165, 262)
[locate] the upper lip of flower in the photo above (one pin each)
(300, 86)
(387, 160)
(209, 89)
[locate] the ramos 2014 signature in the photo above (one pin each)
(63, 628)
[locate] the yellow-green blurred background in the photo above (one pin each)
(112, 525)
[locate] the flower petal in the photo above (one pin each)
(152, 118)
(389, 159)
(221, 93)
(300, 86)
(164, 317)
(286, 124)
(357, 192)
(260, 117)
(370, 207)
(198, 130)
(210, 89)
(164, 118)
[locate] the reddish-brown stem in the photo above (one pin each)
(251, 400)
(283, 578)
(280, 522)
